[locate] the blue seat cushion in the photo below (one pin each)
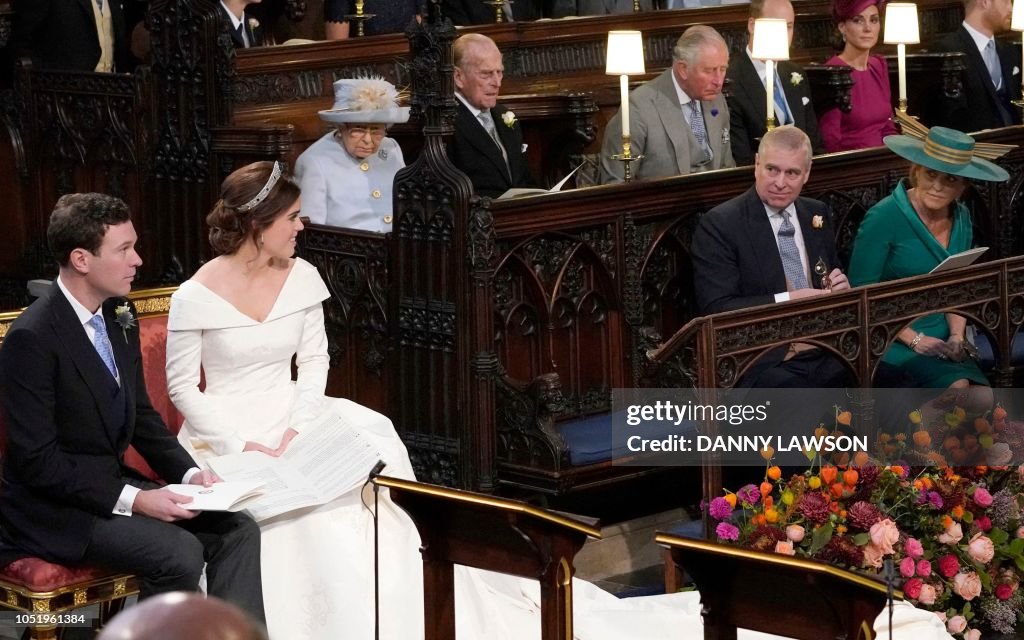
(590, 439)
(986, 354)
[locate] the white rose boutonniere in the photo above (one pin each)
(509, 119)
(254, 24)
(818, 222)
(124, 318)
(795, 78)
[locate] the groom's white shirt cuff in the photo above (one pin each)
(126, 500)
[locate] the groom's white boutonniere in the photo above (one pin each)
(509, 119)
(254, 23)
(818, 222)
(795, 78)
(123, 317)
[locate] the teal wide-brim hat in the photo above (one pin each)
(949, 151)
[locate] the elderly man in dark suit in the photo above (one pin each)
(488, 143)
(763, 247)
(71, 35)
(72, 390)
(993, 77)
(746, 94)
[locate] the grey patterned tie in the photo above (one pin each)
(791, 263)
(699, 131)
(102, 344)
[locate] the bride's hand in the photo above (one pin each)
(286, 439)
(255, 446)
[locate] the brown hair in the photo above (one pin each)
(80, 221)
(229, 227)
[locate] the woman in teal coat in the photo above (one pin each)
(913, 230)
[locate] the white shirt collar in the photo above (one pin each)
(84, 315)
(235, 21)
(980, 39)
(683, 98)
(476, 112)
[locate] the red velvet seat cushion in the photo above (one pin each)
(39, 575)
(153, 339)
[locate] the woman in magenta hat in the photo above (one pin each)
(870, 119)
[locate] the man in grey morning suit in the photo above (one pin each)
(679, 121)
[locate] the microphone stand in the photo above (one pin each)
(371, 479)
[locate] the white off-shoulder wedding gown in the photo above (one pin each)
(318, 562)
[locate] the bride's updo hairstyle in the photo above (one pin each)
(251, 198)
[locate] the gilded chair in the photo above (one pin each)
(32, 585)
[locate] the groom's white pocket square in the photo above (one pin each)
(1016, 71)
(806, 100)
(524, 148)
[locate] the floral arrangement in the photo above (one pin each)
(954, 536)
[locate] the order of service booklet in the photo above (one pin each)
(220, 496)
(327, 459)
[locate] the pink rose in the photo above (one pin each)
(872, 555)
(912, 588)
(956, 624)
(795, 533)
(1020, 532)
(1004, 591)
(981, 548)
(949, 566)
(983, 523)
(972, 634)
(913, 548)
(928, 594)
(884, 534)
(924, 568)
(967, 585)
(785, 547)
(982, 497)
(907, 567)
(952, 535)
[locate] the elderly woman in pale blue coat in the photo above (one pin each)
(347, 176)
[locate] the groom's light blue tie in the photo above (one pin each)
(102, 344)
(781, 112)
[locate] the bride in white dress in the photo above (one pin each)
(234, 327)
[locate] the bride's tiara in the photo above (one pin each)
(275, 175)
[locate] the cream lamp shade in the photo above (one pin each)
(625, 55)
(771, 39)
(901, 25)
(1017, 22)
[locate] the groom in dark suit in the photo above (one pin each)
(762, 247)
(72, 389)
(488, 143)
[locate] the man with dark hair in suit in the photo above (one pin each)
(488, 143)
(992, 78)
(71, 35)
(746, 92)
(762, 247)
(74, 398)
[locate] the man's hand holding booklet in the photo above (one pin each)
(220, 496)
